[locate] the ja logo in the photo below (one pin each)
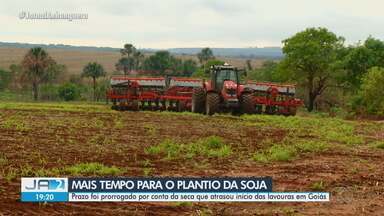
(39, 184)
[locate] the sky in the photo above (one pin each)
(187, 23)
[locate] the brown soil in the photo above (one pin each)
(54, 139)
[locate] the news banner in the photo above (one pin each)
(160, 189)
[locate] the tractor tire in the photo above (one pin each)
(292, 111)
(259, 109)
(180, 106)
(135, 105)
(247, 104)
(212, 103)
(198, 100)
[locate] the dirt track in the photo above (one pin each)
(54, 139)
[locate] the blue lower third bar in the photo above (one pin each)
(44, 196)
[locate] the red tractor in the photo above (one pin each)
(222, 92)
(225, 92)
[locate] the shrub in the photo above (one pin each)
(49, 92)
(69, 92)
(370, 98)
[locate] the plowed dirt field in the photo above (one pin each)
(302, 153)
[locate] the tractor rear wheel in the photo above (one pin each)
(259, 109)
(247, 105)
(198, 100)
(212, 103)
(292, 111)
(180, 106)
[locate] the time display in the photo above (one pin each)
(45, 197)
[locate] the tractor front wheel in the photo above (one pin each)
(247, 105)
(212, 103)
(198, 100)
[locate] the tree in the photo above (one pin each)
(357, 62)
(176, 67)
(371, 94)
(204, 71)
(163, 63)
(38, 67)
(270, 71)
(93, 70)
(138, 58)
(128, 50)
(360, 58)
(211, 62)
(131, 58)
(311, 55)
(377, 47)
(5, 78)
(125, 64)
(160, 62)
(204, 55)
(248, 62)
(189, 67)
(69, 92)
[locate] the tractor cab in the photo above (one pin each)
(224, 76)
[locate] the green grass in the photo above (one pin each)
(3, 159)
(147, 171)
(179, 113)
(183, 204)
(318, 186)
(323, 128)
(10, 175)
(150, 129)
(276, 153)
(289, 149)
(211, 147)
(96, 169)
(15, 122)
(82, 169)
(13, 96)
(168, 147)
(58, 106)
(379, 144)
(311, 146)
(101, 140)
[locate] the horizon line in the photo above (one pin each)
(110, 47)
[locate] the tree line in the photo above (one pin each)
(133, 62)
(39, 72)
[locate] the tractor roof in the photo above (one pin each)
(224, 66)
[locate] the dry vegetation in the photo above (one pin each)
(76, 60)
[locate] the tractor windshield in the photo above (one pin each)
(223, 75)
(226, 75)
